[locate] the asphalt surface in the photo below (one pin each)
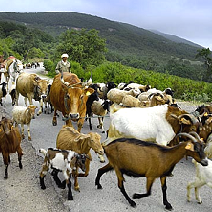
(89, 199)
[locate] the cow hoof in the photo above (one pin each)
(29, 139)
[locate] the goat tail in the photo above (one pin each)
(43, 151)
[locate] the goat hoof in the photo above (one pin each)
(169, 207)
(54, 123)
(20, 166)
(77, 188)
(70, 198)
(132, 203)
(43, 187)
(5, 177)
(99, 186)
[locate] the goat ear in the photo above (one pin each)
(184, 121)
(189, 146)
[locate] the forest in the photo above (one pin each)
(107, 50)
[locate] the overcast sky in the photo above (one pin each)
(189, 19)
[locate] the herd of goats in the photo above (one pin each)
(148, 133)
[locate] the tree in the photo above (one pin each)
(205, 54)
(84, 47)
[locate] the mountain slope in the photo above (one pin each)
(128, 44)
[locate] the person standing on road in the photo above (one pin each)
(63, 65)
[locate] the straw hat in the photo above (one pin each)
(64, 55)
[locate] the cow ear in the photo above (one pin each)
(88, 91)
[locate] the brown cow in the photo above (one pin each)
(68, 96)
(32, 87)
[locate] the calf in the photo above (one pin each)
(23, 115)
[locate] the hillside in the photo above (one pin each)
(128, 44)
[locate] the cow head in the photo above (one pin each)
(75, 98)
(40, 88)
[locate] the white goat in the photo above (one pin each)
(203, 177)
(159, 123)
(23, 115)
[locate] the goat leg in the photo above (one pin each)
(164, 187)
(57, 180)
(6, 158)
(70, 197)
(148, 188)
(42, 184)
(122, 189)
(6, 173)
(19, 159)
(101, 171)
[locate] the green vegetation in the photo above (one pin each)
(108, 51)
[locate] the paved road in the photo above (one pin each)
(110, 199)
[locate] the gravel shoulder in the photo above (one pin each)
(21, 191)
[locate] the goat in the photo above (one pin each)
(64, 161)
(100, 108)
(10, 142)
(116, 95)
(130, 101)
(104, 89)
(165, 121)
(142, 88)
(12, 93)
(203, 177)
(138, 158)
(3, 91)
(93, 97)
(23, 115)
(70, 139)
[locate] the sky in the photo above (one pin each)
(188, 19)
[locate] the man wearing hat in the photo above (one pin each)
(63, 65)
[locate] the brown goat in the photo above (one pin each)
(70, 139)
(10, 140)
(138, 158)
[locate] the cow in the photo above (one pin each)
(68, 96)
(31, 86)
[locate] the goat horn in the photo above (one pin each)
(196, 135)
(191, 116)
(187, 135)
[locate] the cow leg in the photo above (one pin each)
(41, 107)
(54, 120)
(28, 131)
